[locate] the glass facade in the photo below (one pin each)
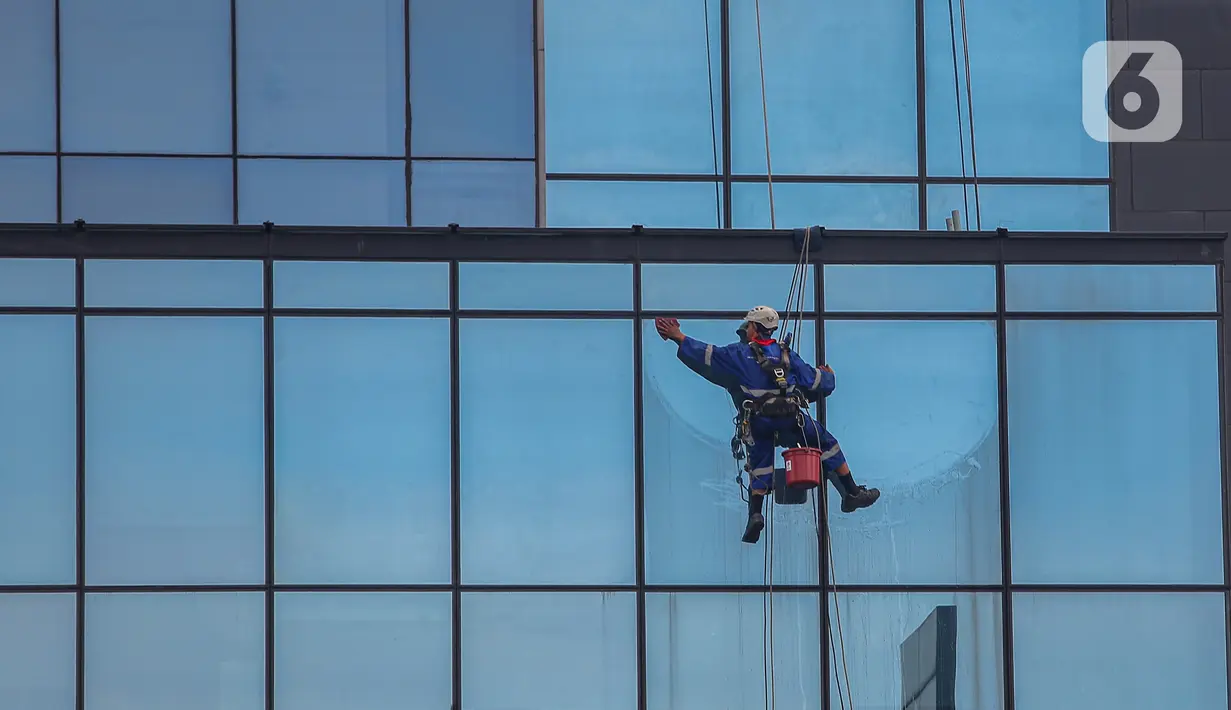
(318, 483)
(559, 113)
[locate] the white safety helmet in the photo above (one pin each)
(763, 316)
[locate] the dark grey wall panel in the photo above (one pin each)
(1182, 175)
(1216, 103)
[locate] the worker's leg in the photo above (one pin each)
(833, 462)
(761, 479)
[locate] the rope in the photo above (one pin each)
(957, 105)
(769, 168)
(970, 109)
(709, 79)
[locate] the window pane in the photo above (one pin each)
(348, 193)
(1120, 287)
(915, 410)
(586, 642)
(893, 642)
(165, 283)
(38, 435)
(190, 651)
(581, 443)
(467, 56)
(316, 81)
(175, 455)
(694, 508)
(865, 64)
(38, 651)
(38, 282)
(27, 188)
(147, 190)
(1053, 208)
(689, 636)
(362, 440)
(835, 206)
(1026, 86)
(721, 287)
(360, 284)
(1087, 401)
(945, 288)
(626, 86)
(474, 194)
(28, 75)
(514, 286)
(363, 650)
(142, 77)
(622, 204)
(1152, 650)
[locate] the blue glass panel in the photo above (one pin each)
(1122, 650)
(514, 286)
(38, 435)
(586, 642)
(840, 84)
(361, 284)
(689, 636)
(27, 188)
(580, 441)
(1053, 208)
(1119, 287)
(147, 190)
(694, 515)
(348, 193)
(474, 194)
(38, 651)
(472, 78)
(166, 283)
(1026, 86)
(621, 204)
(897, 640)
(721, 287)
(915, 411)
(363, 650)
(625, 86)
(37, 282)
(140, 77)
(316, 81)
(1114, 439)
(28, 75)
(362, 440)
(175, 455)
(945, 288)
(836, 206)
(189, 651)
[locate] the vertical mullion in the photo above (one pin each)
(1002, 414)
(406, 149)
(268, 288)
(639, 485)
(79, 318)
(921, 109)
(59, 139)
(822, 537)
(726, 113)
(1220, 271)
(455, 486)
(234, 117)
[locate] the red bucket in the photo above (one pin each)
(803, 467)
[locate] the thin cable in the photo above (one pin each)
(970, 108)
(709, 78)
(957, 105)
(769, 167)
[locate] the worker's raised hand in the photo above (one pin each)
(668, 329)
(827, 368)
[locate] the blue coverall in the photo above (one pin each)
(734, 368)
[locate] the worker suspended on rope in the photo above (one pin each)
(771, 386)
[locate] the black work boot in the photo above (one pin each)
(861, 497)
(756, 523)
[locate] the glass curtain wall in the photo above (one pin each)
(328, 484)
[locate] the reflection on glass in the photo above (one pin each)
(586, 642)
(944, 288)
(38, 651)
(915, 410)
(361, 284)
(1115, 454)
(689, 637)
(473, 193)
(694, 515)
(547, 469)
(860, 206)
(170, 283)
(661, 205)
(147, 190)
(37, 282)
(942, 650)
(27, 186)
(38, 438)
(721, 287)
(28, 75)
(1088, 651)
(1111, 287)
(347, 193)
(1052, 208)
(527, 286)
(362, 445)
(371, 650)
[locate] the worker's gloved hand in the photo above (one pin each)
(827, 368)
(668, 329)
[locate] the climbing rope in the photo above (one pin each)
(709, 79)
(769, 166)
(970, 113)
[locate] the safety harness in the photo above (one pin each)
(786, 401)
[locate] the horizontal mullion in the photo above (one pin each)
(1059, 181)
(1111, 315)
(228, 156)
(486, 159)
(27, 153)
(37, 310)
(173, 311)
